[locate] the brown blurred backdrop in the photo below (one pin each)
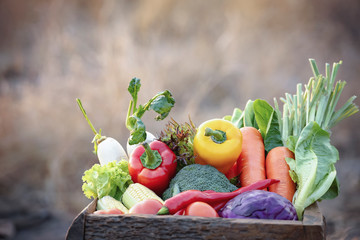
(212, 55)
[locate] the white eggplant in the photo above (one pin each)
(110, 150)
(130, 148)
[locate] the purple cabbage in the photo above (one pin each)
(259, 204)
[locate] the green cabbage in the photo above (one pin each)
(111, 179)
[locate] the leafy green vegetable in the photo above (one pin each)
(134, 88)
(260, 115)
(249, 115)
(263, 114)
(138, 130)
(111, 179)
(244, 118)
(316, 102)
(267, 120)
(305, 127)
(161, 103)
(314, 170)
(237, 118)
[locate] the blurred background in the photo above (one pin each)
(212, 55)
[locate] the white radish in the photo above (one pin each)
(130, 148)
(107, 149)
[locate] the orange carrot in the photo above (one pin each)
(251, 162)
(277, 168)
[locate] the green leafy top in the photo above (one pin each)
(161, 103)
(260, 115)
(316, 101)
(305, 125)
(111, 179)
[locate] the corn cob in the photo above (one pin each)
(136, 193)
(108, 202)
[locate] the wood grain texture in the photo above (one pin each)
(187, 227)
(77, 228)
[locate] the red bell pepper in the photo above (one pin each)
(153, 165)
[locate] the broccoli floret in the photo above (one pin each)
(198, 177)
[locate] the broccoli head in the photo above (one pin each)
(198, 177)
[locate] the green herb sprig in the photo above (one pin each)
(161, 103)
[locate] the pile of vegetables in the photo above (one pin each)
(261, 162)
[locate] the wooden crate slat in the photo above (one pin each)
(90, 226)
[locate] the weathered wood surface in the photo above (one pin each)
(77, 228)
(91, 226)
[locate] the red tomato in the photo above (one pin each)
(148, 206)
(200, 209)
(109, 211)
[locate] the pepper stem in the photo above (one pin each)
(163, 211)
(150, 159)
(217, 136)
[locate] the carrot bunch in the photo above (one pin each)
(253, 166)
(263, 154)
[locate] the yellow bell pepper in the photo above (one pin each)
(218, 143)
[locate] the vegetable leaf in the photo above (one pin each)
(266, 119)
(134, 88)
(237, 118)
(273, 135)
(314, 166)
(140, 111)
(249, 115)
(111, 179)
(162, 104)
(263, 115)
(138, 131)
(333, 191)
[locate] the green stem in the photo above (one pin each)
(128, 125)
(86, 117)
(150, 159)
(217, 136)
(314, 67)
(147, 105)
(134, 104)
(97, 138)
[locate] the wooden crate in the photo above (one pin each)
(92, 226)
